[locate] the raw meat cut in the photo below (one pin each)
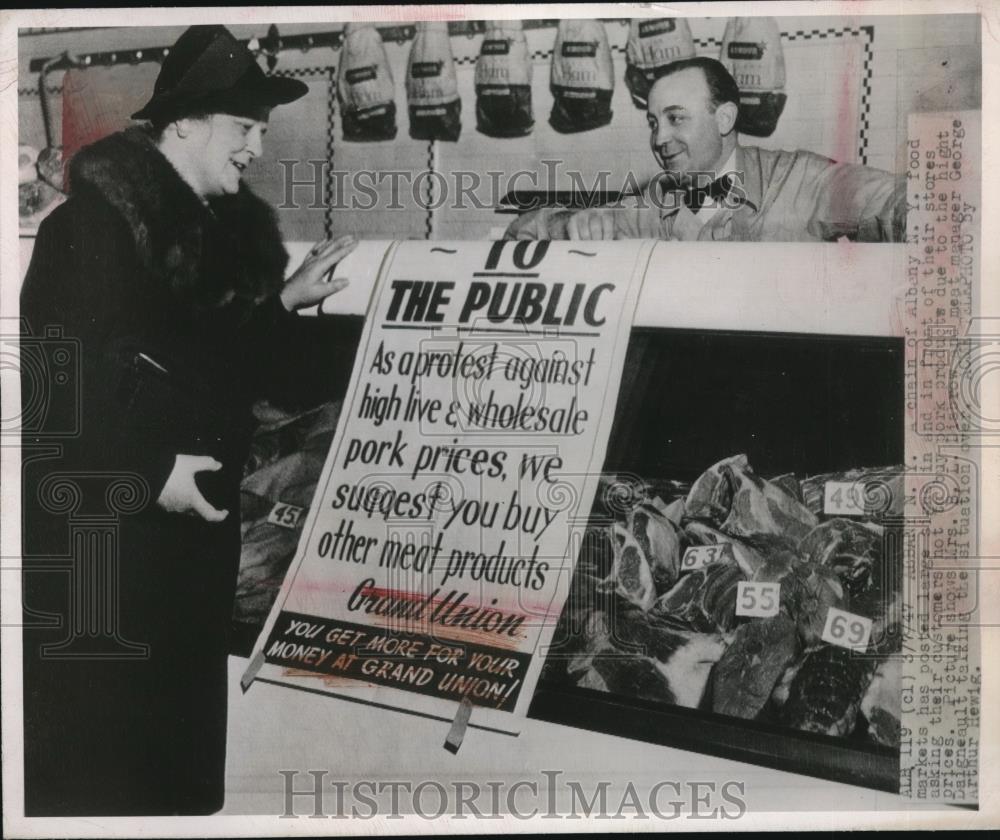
(780, 694)
(740, 503)
(711, 495)
(703, 600)
(631, 573)
(826, 693)
(747, 558)
(745, 676)
(885, 611)
(807, 593)
(674, 511)
(852, 550)
(790, 484)
(682, 660)
(657, 537)
(776, 566)
(629, 675)
(882, 704)
(679, 606)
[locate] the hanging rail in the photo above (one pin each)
(273, 43)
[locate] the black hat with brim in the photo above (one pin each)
(209, 71)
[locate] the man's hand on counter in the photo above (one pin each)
(312, 281)
(559, 223)
(593, 223)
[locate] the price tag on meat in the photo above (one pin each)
(699, 556)
(287, 516)
(843, 498)
(847, 629)
(757, 600)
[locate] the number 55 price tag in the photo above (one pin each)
(847, 629)
(757, 600)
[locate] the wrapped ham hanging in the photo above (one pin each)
(582, 79)
(431, 87)
(503, 82)
(653, 43)
(364, 86)
(752, 53)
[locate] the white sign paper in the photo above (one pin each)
(438, 549)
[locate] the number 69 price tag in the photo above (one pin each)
(847, 629)
(757, 599)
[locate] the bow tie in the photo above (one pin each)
(694, 197)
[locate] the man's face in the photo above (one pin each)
(223, 146)
(683, 129)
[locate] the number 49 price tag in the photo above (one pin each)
(847, 629)
(843, 498)
(757, 599)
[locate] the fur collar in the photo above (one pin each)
(170, 226)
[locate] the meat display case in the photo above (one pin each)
(806, 405)
(755, 369)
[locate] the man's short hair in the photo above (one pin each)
(722, 86)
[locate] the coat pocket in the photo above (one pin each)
(164, 403)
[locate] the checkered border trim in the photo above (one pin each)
(866, 94)
(33, 91)
(304, 72)
(429, 218)
(329, 74)
(331, 102)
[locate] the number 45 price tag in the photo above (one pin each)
(757, 600)
(847, 629)
(287, 516)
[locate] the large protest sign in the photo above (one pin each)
(440, 543)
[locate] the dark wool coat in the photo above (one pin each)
(173, 309)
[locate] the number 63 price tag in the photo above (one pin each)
(756, 599)
(847, 629)
(699, 556)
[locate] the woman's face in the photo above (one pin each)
(223, 146)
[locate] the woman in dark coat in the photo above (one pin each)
(169, 273)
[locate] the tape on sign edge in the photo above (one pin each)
(250, 674)
(459, 726)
